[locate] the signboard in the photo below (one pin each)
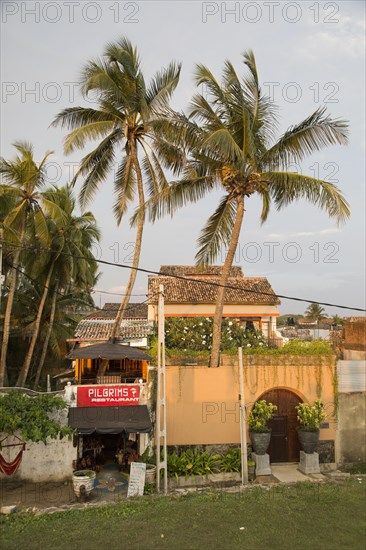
(136, 483)
(107, 396)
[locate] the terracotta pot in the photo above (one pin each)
(260, 442)
(308, 440)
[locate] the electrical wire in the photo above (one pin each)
(197, 281)
(36, 282)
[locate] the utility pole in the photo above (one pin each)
(160, 433)
(243, 427)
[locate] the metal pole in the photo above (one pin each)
(1, 262)
(161, 399)
(243, 428)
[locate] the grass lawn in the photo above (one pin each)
(302, 516)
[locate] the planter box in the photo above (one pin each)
(204, 481)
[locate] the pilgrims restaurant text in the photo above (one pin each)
(108, 404)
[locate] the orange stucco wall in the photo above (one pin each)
(203, 403)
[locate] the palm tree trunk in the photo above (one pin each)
(28, 358)
(138, 243)
(47, 339)
(8, 310)
(216, 332)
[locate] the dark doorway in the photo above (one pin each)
(284, 446)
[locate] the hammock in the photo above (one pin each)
(9, 468)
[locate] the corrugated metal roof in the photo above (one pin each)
(351, 376)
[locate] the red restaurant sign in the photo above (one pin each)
(107, 396)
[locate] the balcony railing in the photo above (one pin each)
(112, 379)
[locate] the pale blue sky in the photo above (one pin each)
(308, 54)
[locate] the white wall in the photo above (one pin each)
(40, 462)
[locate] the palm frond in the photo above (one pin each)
(217, 231)
(55, 212)
(264, 112)
(222, 143)
(41, 227)
(162, 87)
(313, 134)
(191, 188)
(16, 217)
(95, 166)
(287, 187)
(124, 187)
(75, 117)
(204, 76)
(78, 137)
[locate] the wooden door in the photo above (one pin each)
(284, 445)
(278, 448)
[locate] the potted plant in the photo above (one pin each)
(260, 433)
(310, 418)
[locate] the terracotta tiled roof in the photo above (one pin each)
(89, 329)
(248, 290)
(109, 311)
(193, 271)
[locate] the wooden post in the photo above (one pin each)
(243, 427)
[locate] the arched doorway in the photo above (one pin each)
(284, 446)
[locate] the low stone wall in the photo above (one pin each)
(351, 436)
(41, 463)
(222, 480)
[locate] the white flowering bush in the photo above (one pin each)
(195, 334)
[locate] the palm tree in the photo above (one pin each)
(337, 320)
(124, 122)
(229, 138)
(315, 312)
(70, 240)
(22, 182)
(75, 267)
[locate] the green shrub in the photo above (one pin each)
(193, 463)
(310, 416)
(260, 415)
(231, 461)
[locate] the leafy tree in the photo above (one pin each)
(31, 416)
(125, 123)
(229, 141)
